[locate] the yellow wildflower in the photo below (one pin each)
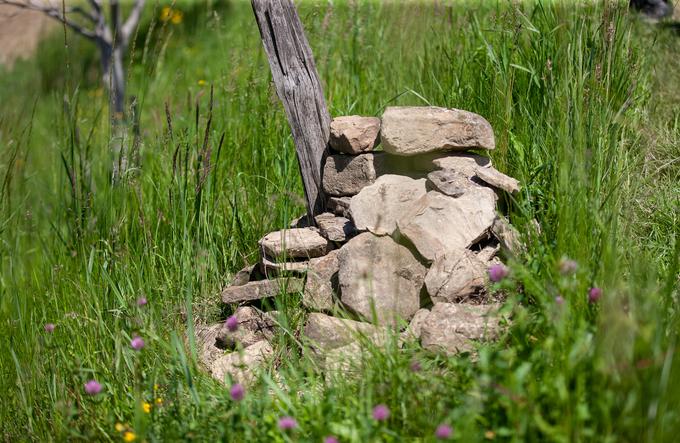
(490, 435)
(129, 436)
(177, 17)
(156, 387)
(201, 83)
(120, 427)
(146, 406)
(159, 401)
(166, 13)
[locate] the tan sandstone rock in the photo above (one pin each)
(257, 290)
(324, 333)
(242, 365)
(334, 228)
(253, 326)
(346, 175)
(455, 276)
(498, 180)
(321, 282)
(354, 134)
(294, 243)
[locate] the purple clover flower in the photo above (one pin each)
(498, 272)
(594, 294)
(142, 301)
(237, 392)
(331, 439)
(415, 366)
(443, 432)
(137, 343)
(49, 327)
(232, 323)
(93, 387)
(287, 423)
(381, 413)
(559, 300)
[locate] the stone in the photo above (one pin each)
(344, 360)
(253, 326)
(377, 207)
(241, 366)
(345, 175)
(463, 163)
(208, 346)
(377, 273)
(436, 223)
(488, 252)
(245, 275)
(354, 134)
(324, 333)
(303, 221)
(257, 290)
(411, 130)
(322, 282)
(449, 182)
(273, 269)
(507, 235)
(339, 206)
(455, 276)
(413, 330)
(335, 228)
(498, 180)
(294, 243)
(454, 328)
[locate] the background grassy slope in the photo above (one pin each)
(585, 109)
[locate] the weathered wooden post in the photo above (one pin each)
(299, 88)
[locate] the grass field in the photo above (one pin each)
(585, 103)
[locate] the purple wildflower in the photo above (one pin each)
(568, 266)
(559, 300)
(443, 432)
(381, 413)
(237, 392)
(286, 423)
(49, 327)
(594, 294)
(498, 272)
(93, 387)
(142, 301)
(137, 343)
(232, 323)
(331, 439)
(416, 366)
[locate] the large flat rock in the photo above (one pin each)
(412, 130)
(464, 163)
(455, 276)
(378, 275)
(346, 175)
(294, 243)
(455, 327)
(242, 366)
(499, 180)
(354, 134)
(324, 333)
(377, 207)
(437, 223)
(322, 282)
(257, 290)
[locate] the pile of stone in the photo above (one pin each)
(407, 240)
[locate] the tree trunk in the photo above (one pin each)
(299, 88)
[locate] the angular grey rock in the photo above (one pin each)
(414, 328)
(242, 366)
(303, 221)
(455, 276)
(345, 175)
(339, 206)
(272, 269)
(463, 163)
(354, 134)
(324, 333)
(378, 273)
(453, 328)
(321, 282)
(449, 182)
(334, 228)
(245, 275)
(436, 223)
(377, 207)
(253, 326)
(412, 130)
(208, 345)
(294, 243)
(498, 180)
(507, 235)
(257, 290)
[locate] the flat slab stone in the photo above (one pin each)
(455, 327)
(253, 326)
(498, 180)
(324, 333)
(335, 228)
(272, 269)
(242, 366)
(464, 163)
(379, 275)
(437, 223)
(449, 182)
(258, 290)
(346, 175)
(377, 207)
(455, 276)
(354, 134)
(411, 130)
(294, 243)
(339, 206)
(322, 282)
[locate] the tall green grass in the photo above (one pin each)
(582, 116)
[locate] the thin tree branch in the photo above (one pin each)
(55, 14)
(132, 21)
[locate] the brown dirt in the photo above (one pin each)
(20, 32)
